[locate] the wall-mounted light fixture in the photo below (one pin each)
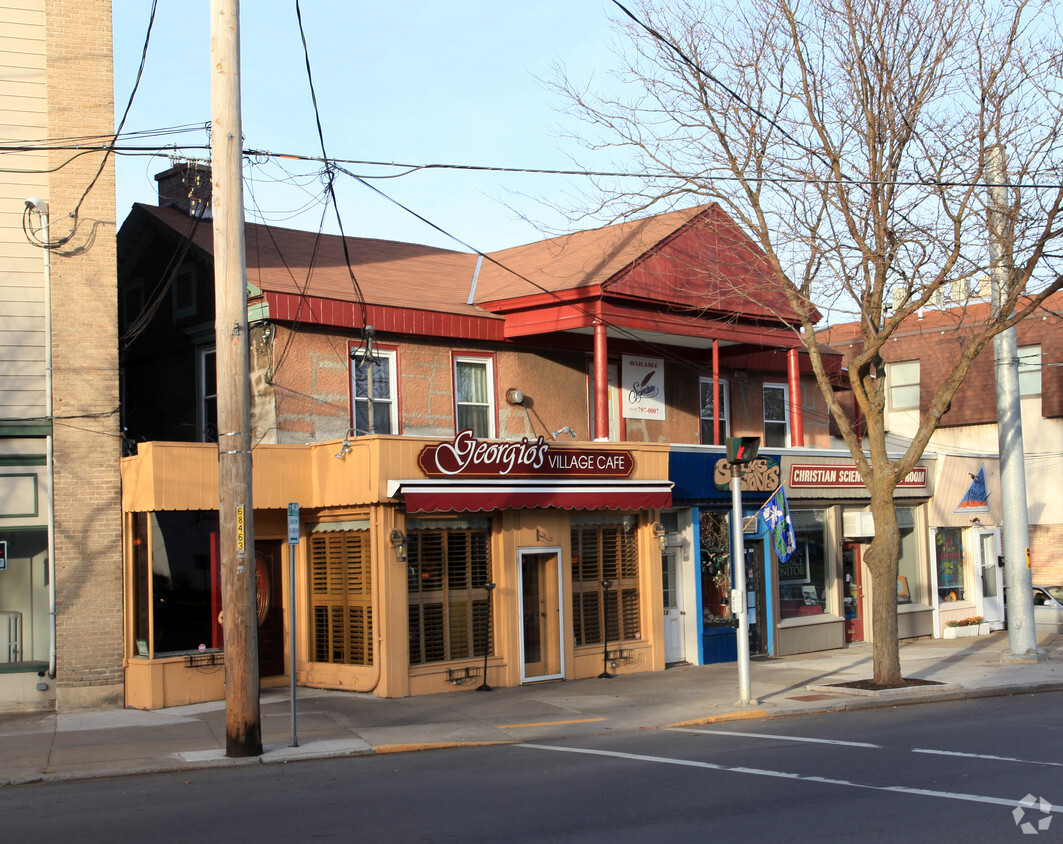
(399, 542)
(515, 396)
(345, 448)
(628, 521)
(566, 430)
(661, 534)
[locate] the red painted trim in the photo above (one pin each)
(515, 498)
(314, 310)
(797, 420)
(601, 383)
(715, 392)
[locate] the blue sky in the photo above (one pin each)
(416, 82)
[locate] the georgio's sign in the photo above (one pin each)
(642, 387)
(467, 457)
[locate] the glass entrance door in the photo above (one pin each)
(854, 593)
(992, 582)
(542, 657)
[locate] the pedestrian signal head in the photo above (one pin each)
(742, 449)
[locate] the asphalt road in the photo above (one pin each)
(948, 772)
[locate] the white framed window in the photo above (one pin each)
(707, 412)
(373, 392)
(474, 395)
(1029, 370)
(776, 416)
(902, 381)
(207, 404)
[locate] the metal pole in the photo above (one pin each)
(484, 687)
(1022, 633)
(291, 638)
(605, 675)
(739, 602)
(243, 728)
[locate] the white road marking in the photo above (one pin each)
(760, 772)
(985, 756)
(776, 738)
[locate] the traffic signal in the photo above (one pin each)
(742, 449)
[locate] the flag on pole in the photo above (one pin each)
(776, 515)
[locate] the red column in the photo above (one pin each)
(715, 392)
(797, 421)
(601, 382)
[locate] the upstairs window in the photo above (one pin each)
(1029, 370)
(776, 416)
(207, 377)
(902, 381)
(474, 391)
(707, 412)
(373, 389)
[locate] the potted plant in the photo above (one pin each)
(964, 627)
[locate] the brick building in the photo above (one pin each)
(60, 622)
(547, 420)
(918, 358)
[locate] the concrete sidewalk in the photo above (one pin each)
(43, 747)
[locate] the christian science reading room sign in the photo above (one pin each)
(803, 476)
(468, 457)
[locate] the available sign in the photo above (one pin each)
(642, 387)
(803, 476)
(465, 457)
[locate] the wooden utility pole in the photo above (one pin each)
(243, 728)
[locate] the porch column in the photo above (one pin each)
(797, 421)
(715, 392)
(601, 383)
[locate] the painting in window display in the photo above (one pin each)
(803, 577)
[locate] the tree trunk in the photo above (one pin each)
(881, 559)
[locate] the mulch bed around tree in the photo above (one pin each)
(871, 686)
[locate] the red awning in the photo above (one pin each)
(431, 496)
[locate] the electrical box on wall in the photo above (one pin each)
(857, 524)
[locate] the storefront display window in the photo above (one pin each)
(803, 577)
(183, 605)
(949, 550)
(341, 598)
(446, 572)
(24, 633)
(910, 589)
(715, 569)
(605, 552)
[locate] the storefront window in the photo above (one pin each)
(803, 577)
(341, 598)
(949, 549)
(181, 582)
(24, 633)
(605, 552)
(448, 609)
(715, 569)
(910, 588)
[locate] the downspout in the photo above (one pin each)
(601, 382)
(41, 207)
(797, 420)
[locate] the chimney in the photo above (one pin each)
(186, 187)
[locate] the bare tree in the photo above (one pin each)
(850, 139)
